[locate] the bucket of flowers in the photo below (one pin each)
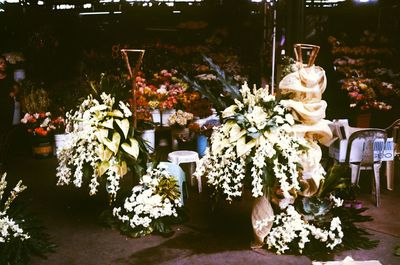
(181, 134)
(60, 135)
(39, 127)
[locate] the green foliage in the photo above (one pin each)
(319, 210)
(34, 97)
(220, 92)
(16, 251)
(354, 236)
(335, 180)
(114, 85)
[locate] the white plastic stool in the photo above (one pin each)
(185, 156)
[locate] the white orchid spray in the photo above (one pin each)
(9, 228)
(103, 141)
(257, 140)
(257, 130)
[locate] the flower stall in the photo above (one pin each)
(365, 75)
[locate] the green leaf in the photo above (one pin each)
(132, 149)
(124, 126)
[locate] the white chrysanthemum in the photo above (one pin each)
(145, 205)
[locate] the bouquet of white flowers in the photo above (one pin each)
(103, 141)
(152, 201)
(257, 139)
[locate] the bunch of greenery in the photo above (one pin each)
(221, 92)
(35, 98)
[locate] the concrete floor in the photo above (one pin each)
(220, 237)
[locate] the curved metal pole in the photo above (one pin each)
(133, 77)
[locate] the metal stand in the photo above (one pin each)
(132, 74)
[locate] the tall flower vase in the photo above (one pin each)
(202, 143)
(42, 147)
(165, 114)
(149, 136)
(59, 142)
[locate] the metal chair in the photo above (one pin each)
(371, 143)
(393, 131)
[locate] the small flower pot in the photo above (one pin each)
(59, 142)
(42, 147)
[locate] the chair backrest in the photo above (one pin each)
(368, 137)
(394, 131)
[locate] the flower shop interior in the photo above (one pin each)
(199, 132)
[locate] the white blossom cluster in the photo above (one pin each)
(89, 146)
(289, 226)
(146, 204)
(268, 126)
(258, 139)
(9, 228)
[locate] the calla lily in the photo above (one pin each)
(122, 169)
(102, 168)
(114, 144)
(229, 111)
(217, 146)
(227, 126)
(98, 108)
(104, 153)
(101, 134)
(132, 149)
(116, 113)
(242, 147)
(124, 126)
(108, 123)
(235, 133)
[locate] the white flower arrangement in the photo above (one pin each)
(9, 228)
(156, 197)
(257, 129)
(257, 139)
(101, 139)
(290, 226)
